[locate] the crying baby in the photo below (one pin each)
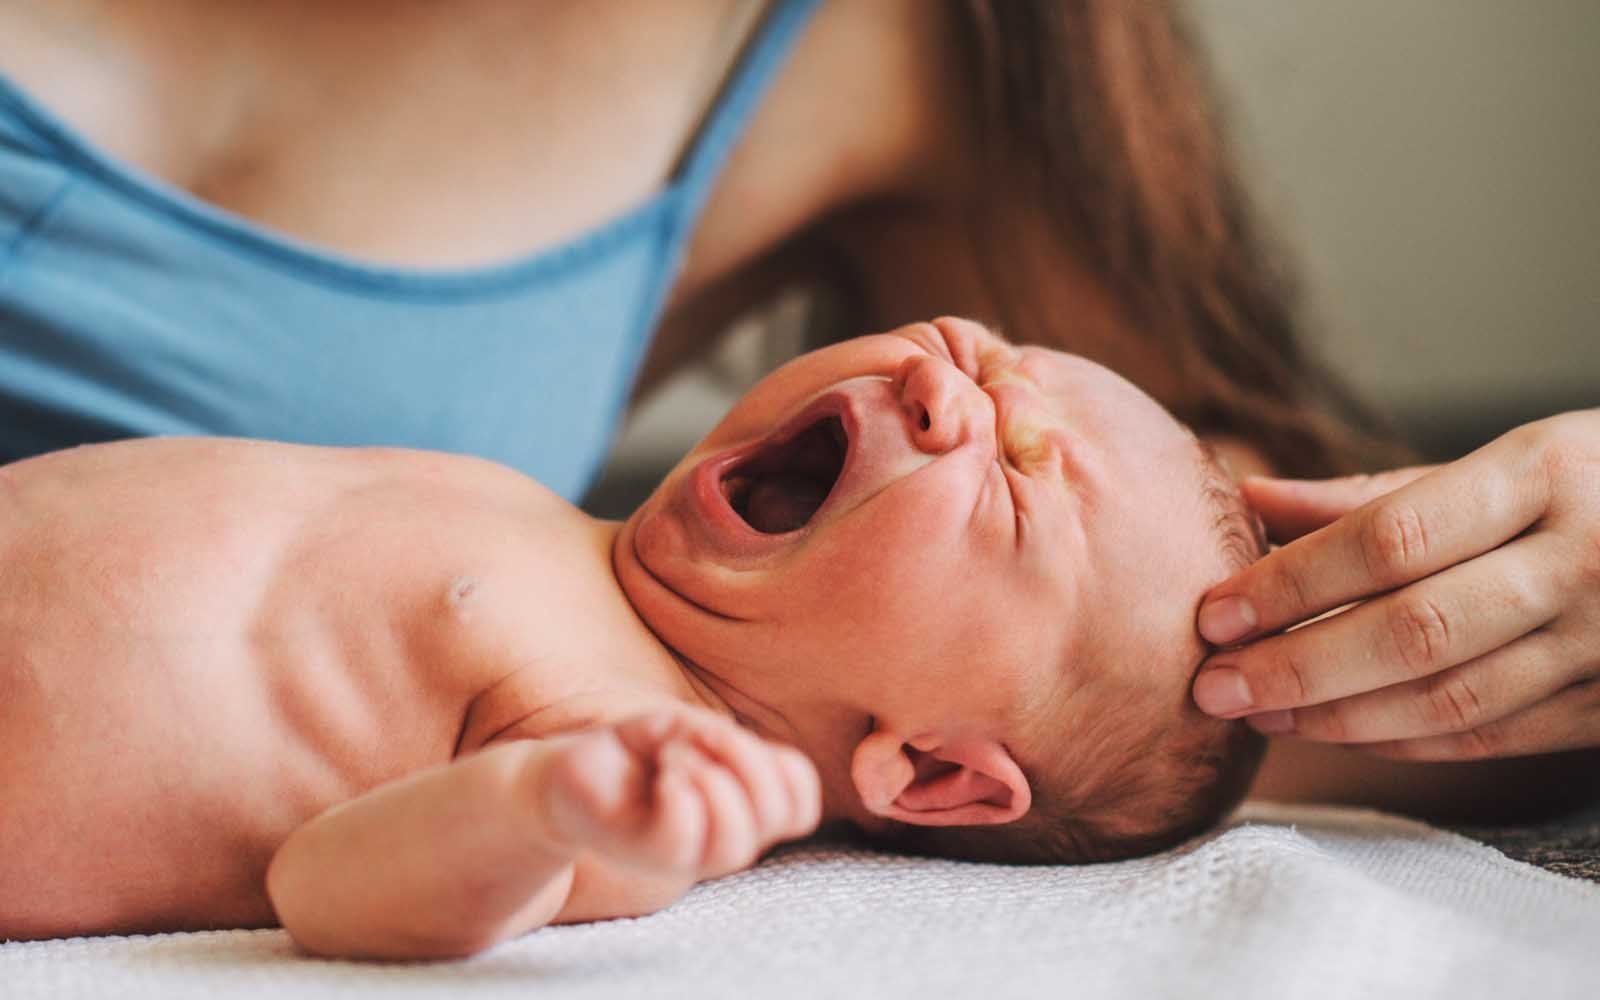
(924, 583)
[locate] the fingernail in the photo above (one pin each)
(1221, 691)
(1272, 723)
(1226, 620)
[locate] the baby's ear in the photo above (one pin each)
(928, 781)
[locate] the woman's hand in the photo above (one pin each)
(1478, 634)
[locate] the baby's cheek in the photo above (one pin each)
(913, 609)
(855, 605)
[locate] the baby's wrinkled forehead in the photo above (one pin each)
(1070, 376)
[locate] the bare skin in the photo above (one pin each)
(284, 112)
(228, 694)
(278, 629)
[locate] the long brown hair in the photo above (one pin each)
(1101, 116)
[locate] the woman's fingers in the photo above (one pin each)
(1448, 618)
(1483, 639)
(1568, 721)
(1462, 698)
(1453, 513)
(1290, 508)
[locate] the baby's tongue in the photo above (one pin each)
(783, 502)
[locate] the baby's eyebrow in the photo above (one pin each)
(1014, 366)
(998, 336)
(995, 350)
(993, 330)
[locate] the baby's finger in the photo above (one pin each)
(755, 763)
(804, 789)
(1568, 721)
(1487, 689)
(1456, 512)
(645, 734)
(675, 834)
(1446, 619)
(728, 829)
(731, 840)
(587, 788)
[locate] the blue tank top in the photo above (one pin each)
(129, 308)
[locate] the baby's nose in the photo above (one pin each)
(940, 403)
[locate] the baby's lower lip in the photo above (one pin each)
(719, 525)
(711, 502)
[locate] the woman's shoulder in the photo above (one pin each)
(860, 113)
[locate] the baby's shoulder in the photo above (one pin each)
(461, 479)
(477, 535)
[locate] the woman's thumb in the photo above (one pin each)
(1290, 508)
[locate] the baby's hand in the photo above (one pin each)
(677, 791)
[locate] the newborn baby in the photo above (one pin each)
(925, 583)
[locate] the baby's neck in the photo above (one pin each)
(713, 691)
(691, 677)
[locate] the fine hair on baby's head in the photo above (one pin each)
(963, 577)
(1133, 771)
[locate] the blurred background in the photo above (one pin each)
(1432, 164)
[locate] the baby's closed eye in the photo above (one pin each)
(1027, 448)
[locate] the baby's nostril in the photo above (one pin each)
(923, 421)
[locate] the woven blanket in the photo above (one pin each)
(1282, 902)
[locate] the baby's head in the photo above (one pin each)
(963, 577)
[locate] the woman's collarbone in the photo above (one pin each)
(311, 143)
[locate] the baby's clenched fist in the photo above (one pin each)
(676, 791)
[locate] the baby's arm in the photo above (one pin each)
(457, 858)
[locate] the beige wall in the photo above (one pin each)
(1437, 165)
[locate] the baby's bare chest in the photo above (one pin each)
(216, 609)
(190, 670)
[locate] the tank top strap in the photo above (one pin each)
(763, 54)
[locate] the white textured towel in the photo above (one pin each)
(1285, 902)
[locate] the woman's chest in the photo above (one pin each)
(426, 135)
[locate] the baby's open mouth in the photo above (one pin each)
(780, 487)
